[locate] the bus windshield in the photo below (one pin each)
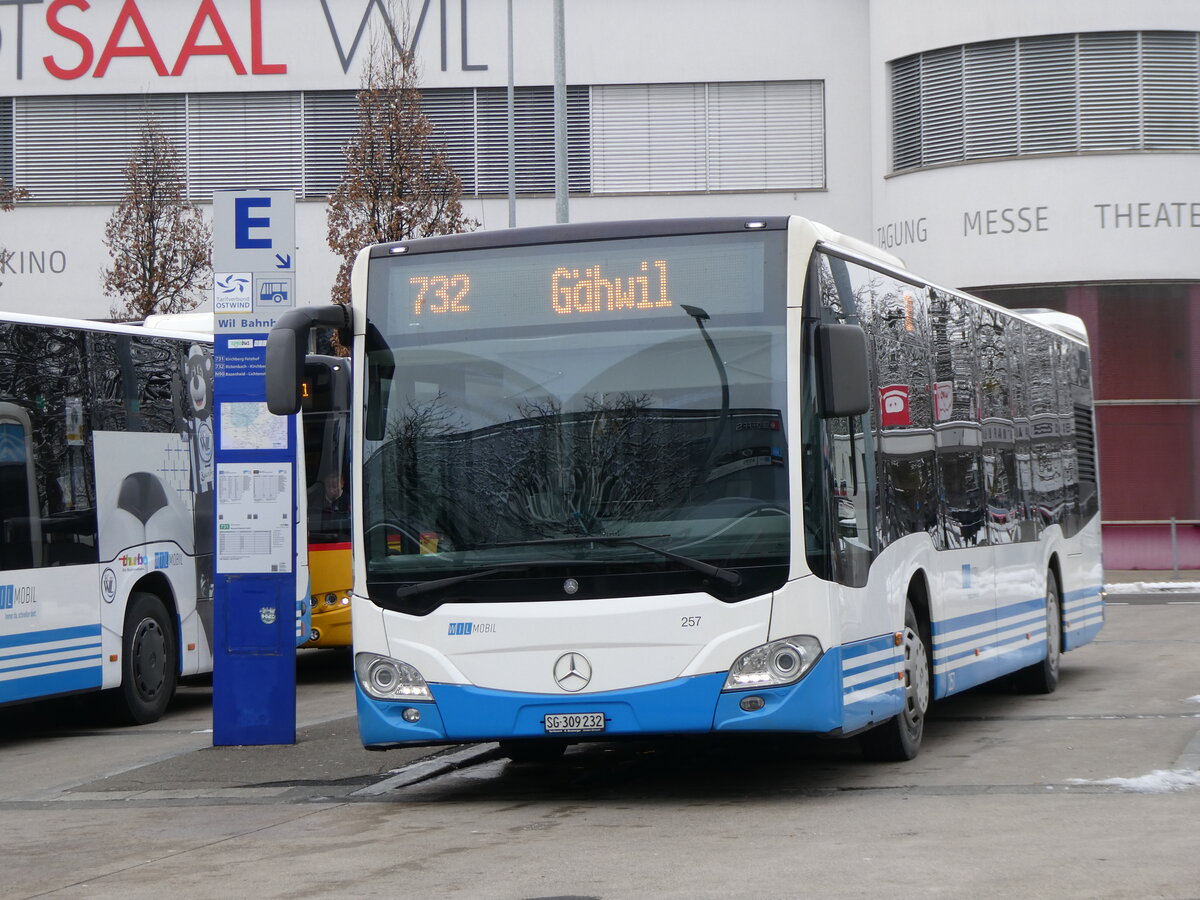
(526, 402)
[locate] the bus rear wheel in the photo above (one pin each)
(899, 738)
(149, 662)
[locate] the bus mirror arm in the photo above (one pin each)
(844, 369)
(287, 346)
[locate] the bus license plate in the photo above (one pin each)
(570, 723)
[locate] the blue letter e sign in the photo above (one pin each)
(243, 222)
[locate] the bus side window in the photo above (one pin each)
(1048, 482)
(17, 492)
(957, 431)
(995, 332)
(907, 493)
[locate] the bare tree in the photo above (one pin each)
(398, 184)
(8, 199)
(160, 244)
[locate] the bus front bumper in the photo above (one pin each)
(693, 705)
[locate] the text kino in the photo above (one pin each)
(592, 292)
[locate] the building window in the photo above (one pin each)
(1097, 92)
(75, 148)
(738, 136)
(641, 139)
(471, 125)
(243, 141)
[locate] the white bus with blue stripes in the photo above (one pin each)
(700, 476)
(106, 486)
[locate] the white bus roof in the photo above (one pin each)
(201, 322)
(1052, 319)
(166, 329)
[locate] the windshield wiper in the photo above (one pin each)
(730, 577)
(422, 587)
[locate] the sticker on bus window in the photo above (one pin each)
(893, 405)
(943, 400)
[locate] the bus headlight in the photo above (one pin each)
(772, 665)
(390, 679)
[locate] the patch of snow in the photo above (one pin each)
(1151, 587)
(1158, 782)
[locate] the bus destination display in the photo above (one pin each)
(565, 283)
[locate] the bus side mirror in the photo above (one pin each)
(844, 370)
(381, 366)
(287, 346)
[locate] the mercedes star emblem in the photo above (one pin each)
(572, 671)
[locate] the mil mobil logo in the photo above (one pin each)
(472, 628)
(162, 559)
(12, 596)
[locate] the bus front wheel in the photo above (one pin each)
(899, 738)
(149, 662)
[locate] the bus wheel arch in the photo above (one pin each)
(899, 738)
(149, 653)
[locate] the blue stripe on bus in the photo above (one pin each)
(874, 682)
(1083, 593)
(876, 705)
(32, 638)
(870, 645)
(987, 616)
(30, 654)
(47, 663)
(885, 663)
(35, 686)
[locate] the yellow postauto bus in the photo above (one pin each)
(326, 419)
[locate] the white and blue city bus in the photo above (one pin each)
(106, 486)
(700, 476)
(106, 510)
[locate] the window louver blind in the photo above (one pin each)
(470, 127)
(76, 148)
(243, 141)
(1090, 92)
(534, 132)
(906, 112)
(648, 138)
(942, 102)
(1109, 114)
(653, 138)
(6, 140)
(1048, 107)
(766, 136)
(1171, 90)
(330, 121)
(451, 111)
(989, 97)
